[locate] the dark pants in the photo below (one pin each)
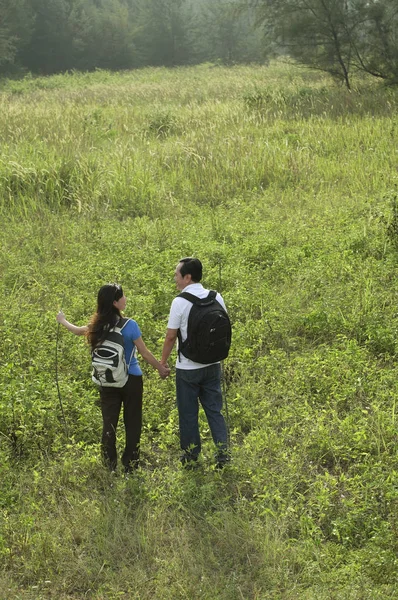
(202, 385)
(112, 399)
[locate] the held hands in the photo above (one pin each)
(164, 371)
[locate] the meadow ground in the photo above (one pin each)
(285, 185)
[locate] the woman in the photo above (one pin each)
(111, 301)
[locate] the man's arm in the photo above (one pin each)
(169, 341)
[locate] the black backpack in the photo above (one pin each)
(209, 330)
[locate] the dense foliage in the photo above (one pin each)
(286, 187)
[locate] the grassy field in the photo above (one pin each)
(286, 186)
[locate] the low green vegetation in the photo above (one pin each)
(286, 187)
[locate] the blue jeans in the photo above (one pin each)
(204, 385)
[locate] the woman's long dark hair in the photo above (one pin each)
(107, 314)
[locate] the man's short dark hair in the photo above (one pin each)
(193, 267)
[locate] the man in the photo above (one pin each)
(194, 381)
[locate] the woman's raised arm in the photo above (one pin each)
(70, 326)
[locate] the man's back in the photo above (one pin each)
(179, 317)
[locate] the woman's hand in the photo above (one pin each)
(61, 317)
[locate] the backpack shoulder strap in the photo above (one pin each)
(200, 301)
(122, 322)
(189, 297)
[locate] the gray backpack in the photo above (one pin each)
(108, 359)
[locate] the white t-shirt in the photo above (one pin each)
(178, 319)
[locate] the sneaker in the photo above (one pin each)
(222, 460)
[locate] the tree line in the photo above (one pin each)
(49, 36)
(337, 36)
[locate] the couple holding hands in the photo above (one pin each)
(194, 381)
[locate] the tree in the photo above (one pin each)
(225, 31)
(314, 32)
(15, 30)
(80, 34)
(50, 48)
(162, 32)
(376, 43)
(336, 36)
(109, 42)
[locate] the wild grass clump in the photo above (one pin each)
(162, 123)
(285, 186)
